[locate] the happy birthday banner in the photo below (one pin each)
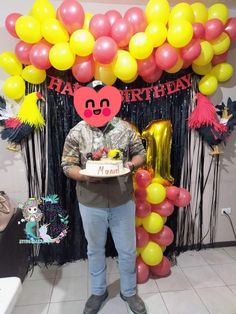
(143, 42)
(129, 95)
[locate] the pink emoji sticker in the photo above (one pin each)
(97, 108)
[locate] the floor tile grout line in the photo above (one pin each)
(206, 287)
(164, 303)
(202, 301)
(229, 253)
(51, 294)
(220, 275)
(26, 305)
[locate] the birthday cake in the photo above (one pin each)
(104, 163)
(105, 167)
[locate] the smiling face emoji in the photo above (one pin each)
(97, 108)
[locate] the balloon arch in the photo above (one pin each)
(145, 44)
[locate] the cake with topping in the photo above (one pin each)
(104, 163)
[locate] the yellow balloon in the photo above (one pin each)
(28, 29)
(200, 12)
(131, 80)
(157, 10)
(202, 69)
(10, 63)
(223, 71)
(42, 10)
(158, 179)
(33, 75)
(140, 46)
(54, 32)
(14, 87)
(177, 67)
(152, 223)
(152, 254)
(206, 54)
(156, 32)
(180, 33)
(138, 221)
(208, 84)
(221, 44)
(82, 42)
(124, 66)
(218, 11)
(181, 11)
(158, 136)
(156, 193)
(61, 56)
(104, 73)
(87, 19)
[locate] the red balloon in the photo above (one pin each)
(143, 178)
(186, 64)
(230, 28)
(162, 269)
(113, 16)
(22, 51)
(147, 66)
(143, 209)
(71, 14)
(136, 17)
(142, 270)
(99, 25)
(140, 194)
(39, 55)
(191, 51)
(153, 77)
(164, 238)
(198, 30)
(10, 23)
(142, 237)
(121, 32)
(183, 199)
(219, 58)
(172, 192)
(164, 209)
(105, 50)
(166, 56)
(83, 69)
(213, 29)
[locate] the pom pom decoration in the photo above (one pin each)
(29, 111)
(204, 119)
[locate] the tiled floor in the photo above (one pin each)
(202, 282)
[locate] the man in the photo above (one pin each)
(106, 202)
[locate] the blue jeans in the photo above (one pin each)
(121, 221)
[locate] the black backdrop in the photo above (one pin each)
(61, 117)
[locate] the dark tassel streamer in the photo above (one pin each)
(190, 219)
(61, 117)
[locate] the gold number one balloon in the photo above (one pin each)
(158, 136)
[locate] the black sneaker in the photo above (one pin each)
(94, 303)
(135, 303)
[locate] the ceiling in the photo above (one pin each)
(230, 3)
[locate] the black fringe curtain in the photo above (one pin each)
(61, 117)
(47, 177)
(196, 172)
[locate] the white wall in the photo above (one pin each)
(12, 171)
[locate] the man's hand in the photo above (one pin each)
(74, 173)
(129, 165)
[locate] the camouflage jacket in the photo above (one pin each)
(84, 139)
